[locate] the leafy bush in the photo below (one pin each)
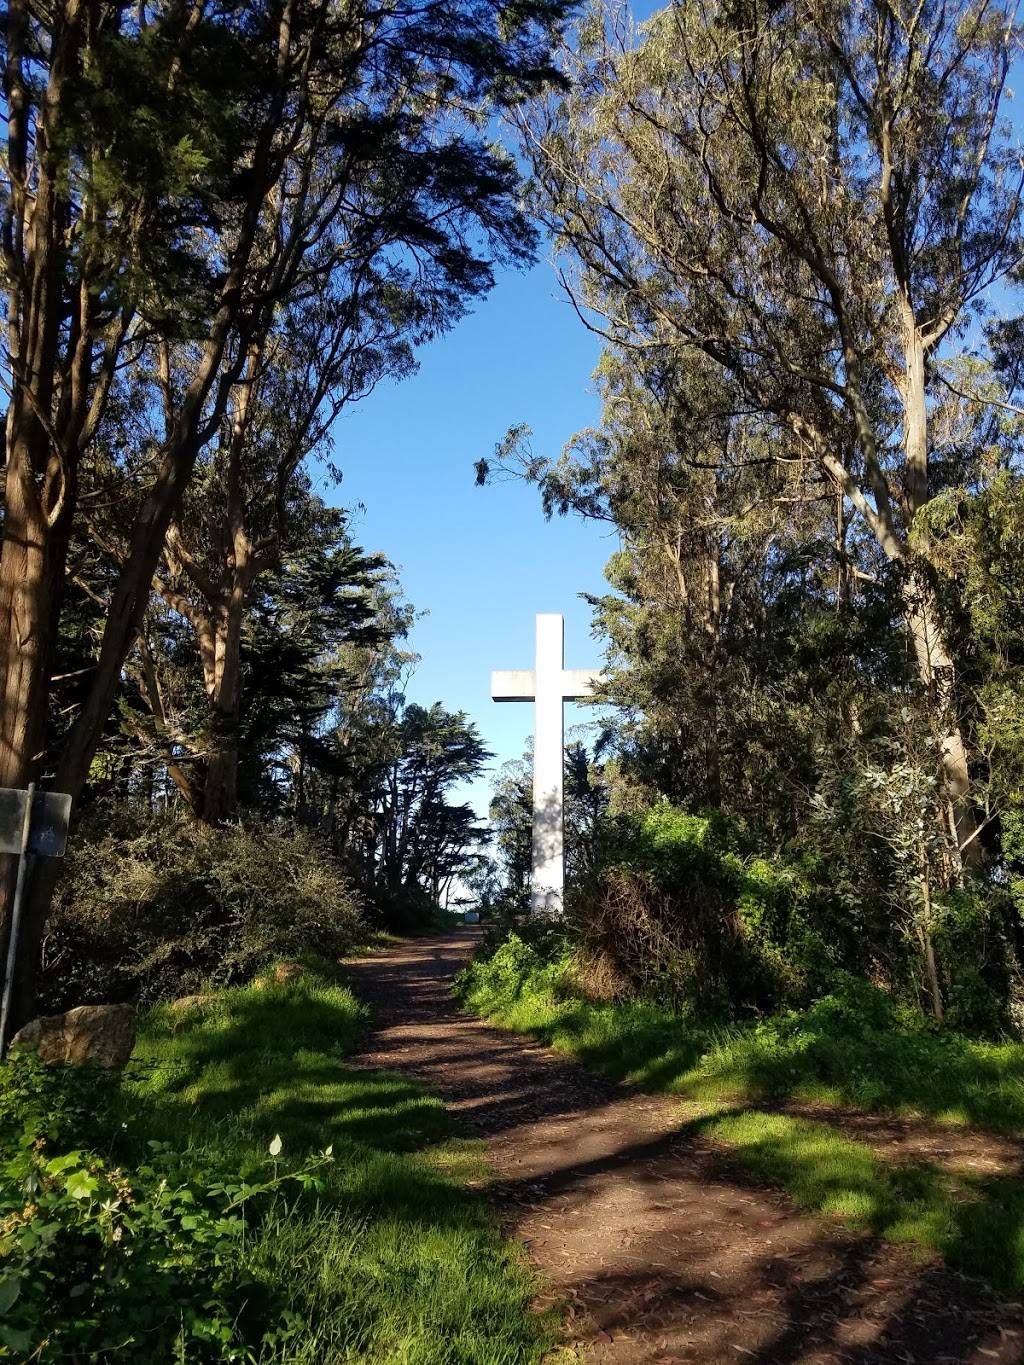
(980, 976)
(515, 965)
(408, 910)
(97, 1258)
(151, 908)
(677, 910)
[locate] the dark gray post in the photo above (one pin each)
(12, 940)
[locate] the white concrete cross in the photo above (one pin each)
(548, 685)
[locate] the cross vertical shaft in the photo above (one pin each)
(548, 882)
(548, 684)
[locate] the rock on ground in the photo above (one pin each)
(99, 1035)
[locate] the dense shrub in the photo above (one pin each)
(506, 968)
(678, 910)
(681, 910)
(978, 968)
(406, 910)
(151, 908)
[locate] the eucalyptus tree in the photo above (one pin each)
(175, 175)
(817, 198)
(709, 521)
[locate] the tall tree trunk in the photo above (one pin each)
(220, 796)
(934, 661)
(124, 620)
(220, 802)
(924, 931)
(26, 614)
(39, 484)
(26, 618)
(712, 667)
(936, 671)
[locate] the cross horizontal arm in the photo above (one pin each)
(578, 683)
(516, 684)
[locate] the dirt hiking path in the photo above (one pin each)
(661, 1250)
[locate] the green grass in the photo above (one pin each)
(401, 1261)
(392, 1255)
(852, 1049)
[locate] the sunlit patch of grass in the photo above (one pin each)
(397, 1260)
(848, 1049)
(974, 1223)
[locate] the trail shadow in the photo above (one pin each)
(663, 1248)
(226, 1078)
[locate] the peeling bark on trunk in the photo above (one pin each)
(220, 796)
(712, 665)
(220, 801)
(216, 609)
(927, 942)
(705, 605)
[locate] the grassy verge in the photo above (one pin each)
(851, 1049)
(317, 1213)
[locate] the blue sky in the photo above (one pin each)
(480, 562)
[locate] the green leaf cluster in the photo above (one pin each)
(138, 1258)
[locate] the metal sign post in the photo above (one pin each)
(31, 823)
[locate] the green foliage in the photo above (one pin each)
(100, 1258)
(875, 845)
(396, 824)
(155, 907)
(855, 1046)
(514, 965)
(241, 1196)
(813, 622)
(972, 929)
(680, 911)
